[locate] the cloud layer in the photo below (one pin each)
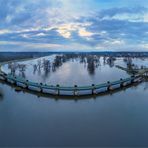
(57, 25)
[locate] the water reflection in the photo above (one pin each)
(90, 62)
(1, 95)
(64, 66)
(16, 66)
(126, 111)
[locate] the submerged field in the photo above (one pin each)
(73, 69)
(111, 120)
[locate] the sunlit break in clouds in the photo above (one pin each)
(79, 25)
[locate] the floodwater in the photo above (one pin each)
(118, 119)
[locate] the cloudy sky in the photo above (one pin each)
(72, 25)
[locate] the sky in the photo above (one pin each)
(74, 25)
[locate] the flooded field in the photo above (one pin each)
(73, 69)
(118, 119)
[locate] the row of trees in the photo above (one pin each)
(91, 62)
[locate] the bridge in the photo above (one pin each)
(70, 91)
(75, 90)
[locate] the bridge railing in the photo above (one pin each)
(58, 90)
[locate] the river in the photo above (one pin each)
(118, 119)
